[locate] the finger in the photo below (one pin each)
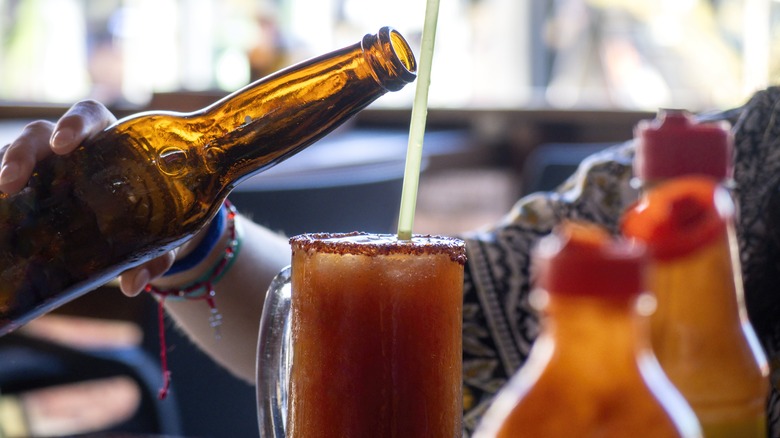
(133, 281)
(20, 156)
(81, 121)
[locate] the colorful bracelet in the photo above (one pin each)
(206, 245)
(200, 289)
(203, 287)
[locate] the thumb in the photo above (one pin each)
(133, 281)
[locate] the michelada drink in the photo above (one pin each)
(376, 336)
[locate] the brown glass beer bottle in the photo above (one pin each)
(148, 182)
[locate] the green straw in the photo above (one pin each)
(417, 126)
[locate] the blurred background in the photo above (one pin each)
(642, 54)
(521, 91)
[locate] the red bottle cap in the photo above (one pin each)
(674, 145)
(583, 259)
(679, 216)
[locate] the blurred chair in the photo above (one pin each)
(550, 164)
(34, 361)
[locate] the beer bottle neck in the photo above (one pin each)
(275, 117)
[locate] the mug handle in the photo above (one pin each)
(274, 357)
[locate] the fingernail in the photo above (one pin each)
(9, 173)
(140, 282)
(62, 138)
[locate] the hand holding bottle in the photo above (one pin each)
(128, 196)
(265, 252)
(41, 138)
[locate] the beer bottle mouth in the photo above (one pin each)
(402, 50)
(397, 66)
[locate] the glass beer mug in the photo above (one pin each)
(362, 336)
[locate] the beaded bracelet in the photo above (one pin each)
(203, 287)
(200, 289)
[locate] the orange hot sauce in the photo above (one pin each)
(700, 331)
(591, 371)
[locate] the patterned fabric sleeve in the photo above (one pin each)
(757, 192)
(499, 325)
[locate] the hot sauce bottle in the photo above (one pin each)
(591, 372)
(700, 332)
